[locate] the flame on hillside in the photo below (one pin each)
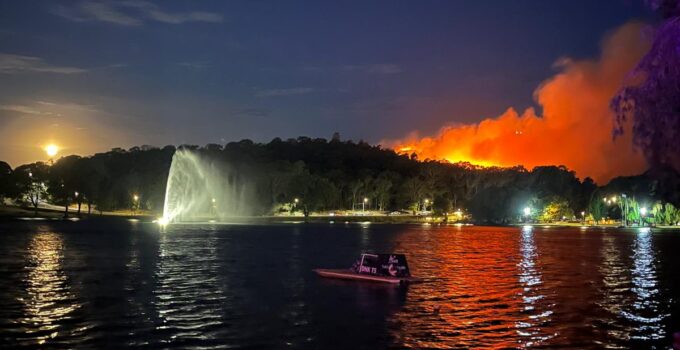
(575, 128)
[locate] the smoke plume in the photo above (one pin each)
(575, 128)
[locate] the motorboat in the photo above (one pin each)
(384, 268)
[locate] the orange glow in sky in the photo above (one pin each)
(574, 129)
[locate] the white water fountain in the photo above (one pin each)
(203, 188)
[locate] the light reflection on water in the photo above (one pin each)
(48, 301)
(188, 297)
(218, 286)
(645, 310)
(538, 312)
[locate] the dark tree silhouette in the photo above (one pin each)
(652, 103)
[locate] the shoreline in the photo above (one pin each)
(14, 213)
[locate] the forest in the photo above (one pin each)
(333, 175)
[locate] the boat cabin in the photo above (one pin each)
(392, 265)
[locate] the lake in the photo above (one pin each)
(114, 283)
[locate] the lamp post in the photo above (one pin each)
(643, 213)
(135, 203)
(624, 209)
(583, 217)
(427, 201)
(363, 206)
(527, 212)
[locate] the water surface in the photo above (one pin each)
(112, 283)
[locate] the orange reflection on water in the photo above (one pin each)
(482, 290)
(48, 300)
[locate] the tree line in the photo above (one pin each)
(332, 175)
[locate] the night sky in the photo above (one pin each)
(92, 75)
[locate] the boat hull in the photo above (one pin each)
(351, 275)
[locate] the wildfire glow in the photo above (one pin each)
(575, 128)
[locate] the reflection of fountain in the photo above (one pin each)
(200, 187)
(189, 293)
(531, 329)
(645, 312)
(49, 300)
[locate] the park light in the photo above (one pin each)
(213, 200)
(643, 211)
(527, 211)
(583, 213)
(427, 201)
(613, 199)
(135, 198)
(296, 200)
(76, 194)
(30, 174)
(51, 150)
(365, 200)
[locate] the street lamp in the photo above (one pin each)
(427, 201)
(583, 216)
(135, 200)
(624, 210)
(643, 213)
(363, 206)
(527, 212)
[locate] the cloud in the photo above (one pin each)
(26, 110)
(381, 68)
(130, 13)
(575, 128)
(285, 92)
(48, 109)
(10, 63)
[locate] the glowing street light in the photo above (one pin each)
(296, 201)
(527, 212)
(135, 204)
(363, 206)
(643, 211)
(76, 194)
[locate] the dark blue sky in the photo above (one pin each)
(92, 75)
